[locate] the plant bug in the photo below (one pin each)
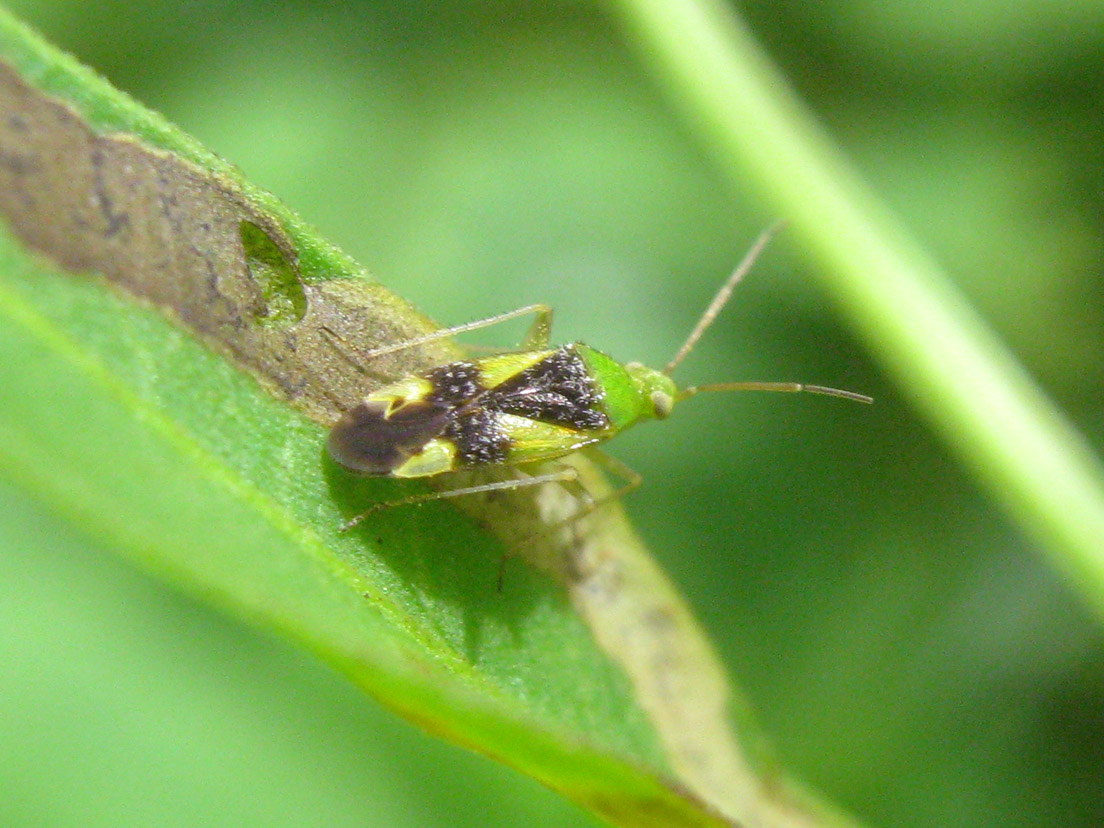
(535, 404)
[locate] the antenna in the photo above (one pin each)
(722, 295)
(784, 387)
(710, 314)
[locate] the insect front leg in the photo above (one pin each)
(585, 502)
(631, 479)
(569, 476)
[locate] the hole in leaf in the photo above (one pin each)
(285, 302)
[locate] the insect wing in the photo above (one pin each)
(557, 389)
(532, 440)
(549, 408)
(380, 434)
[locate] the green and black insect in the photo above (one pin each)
(535, 404)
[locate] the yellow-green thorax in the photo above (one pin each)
(631, 392)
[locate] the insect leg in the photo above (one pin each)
(536, 339)
(564, 475)
(540, 331)
(631, 479)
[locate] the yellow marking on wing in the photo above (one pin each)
(407, 390)
(437, 456)
(535, 440)
(495, 370)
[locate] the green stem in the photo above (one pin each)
(944, 356)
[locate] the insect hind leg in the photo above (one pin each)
(566, 474)
(536, 339)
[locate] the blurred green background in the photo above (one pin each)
(904, 645)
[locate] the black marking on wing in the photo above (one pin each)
(479, 437)
(476, 431)
(367, 441)
(455, 384)
(558, 390)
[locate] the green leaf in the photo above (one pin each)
(168, 380)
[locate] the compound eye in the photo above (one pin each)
(662, 404)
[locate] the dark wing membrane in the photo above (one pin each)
(369, 441)
(557, 390)
(395, 423)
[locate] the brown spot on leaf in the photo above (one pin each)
(190, 242)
